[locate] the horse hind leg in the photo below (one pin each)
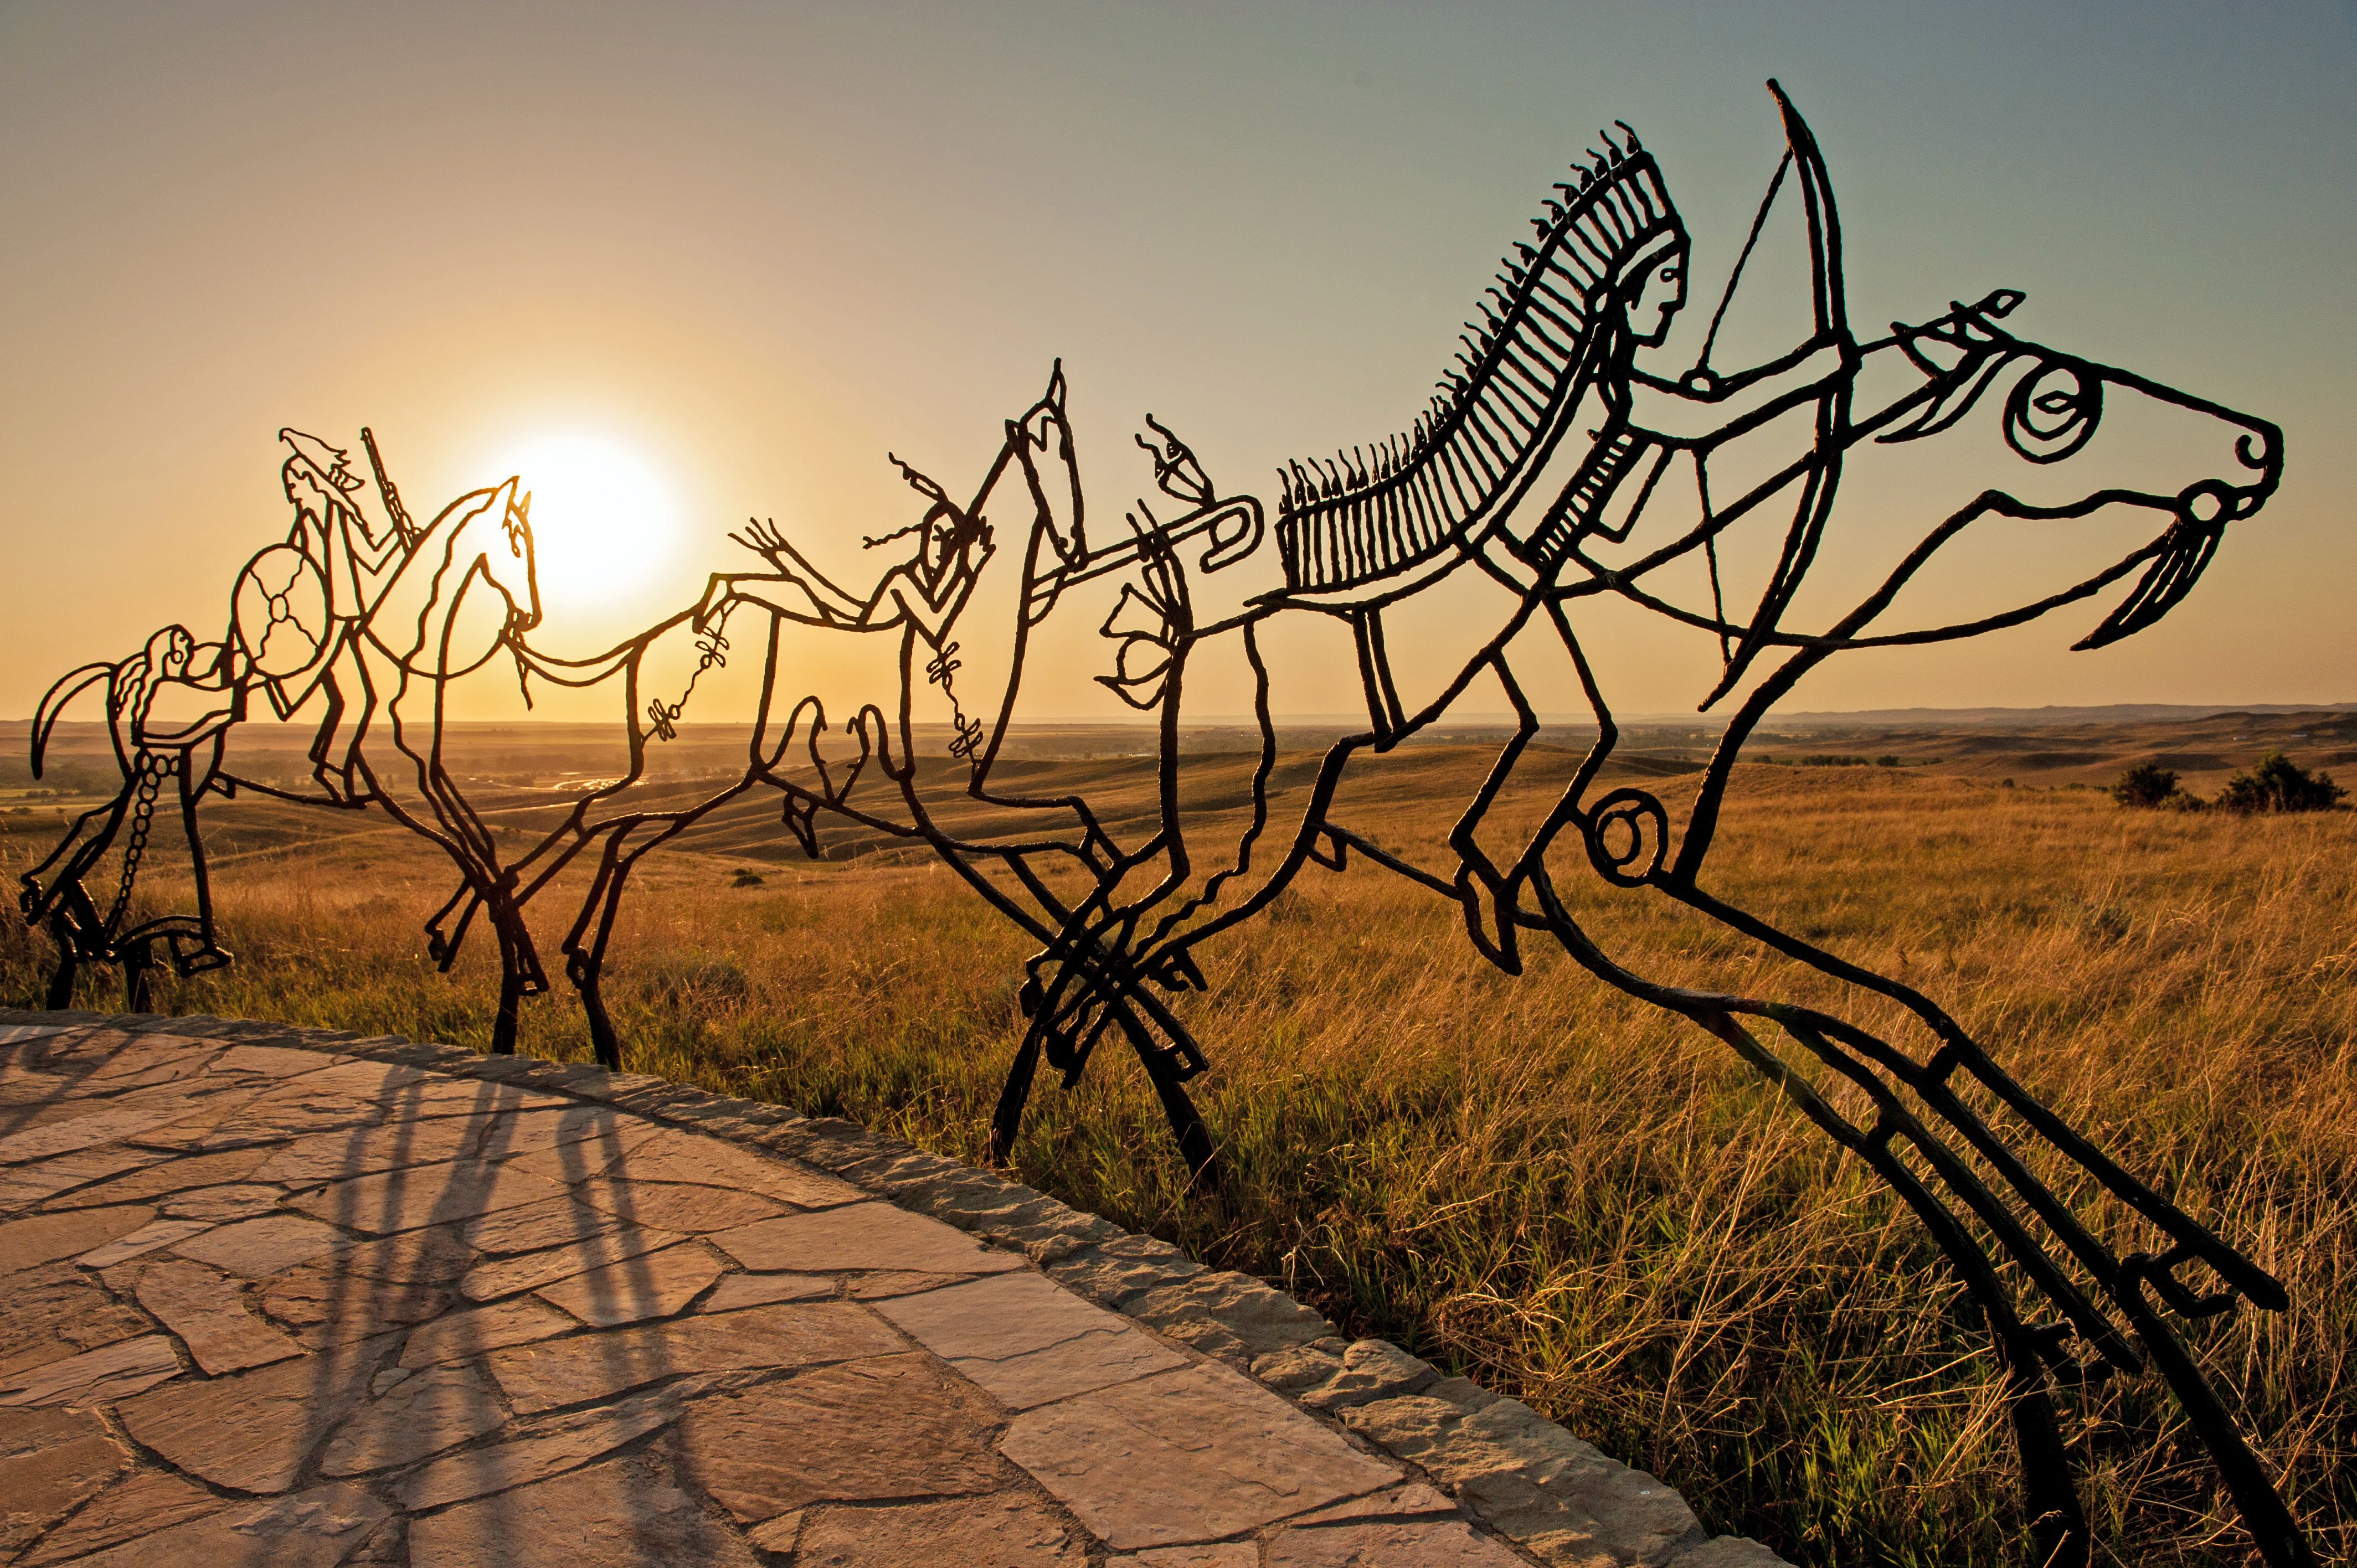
(1053, 1014)
(1080, 1024)
(1006, 1118)
(504, 1024)
(61, 978)
(1195, 1144)
(520, 976)
(139, 977)
(584, 964)
(1167, 1068)
(603, 1039)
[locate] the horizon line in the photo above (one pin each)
(1487, 720)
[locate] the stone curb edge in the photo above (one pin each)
(1558, 1497)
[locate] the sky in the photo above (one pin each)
(705, 262)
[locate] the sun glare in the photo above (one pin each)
(604, 522)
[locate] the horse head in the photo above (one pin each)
(2071, 439)
(426, 618)
(1042, 444)
(507, 558)
(991, 597)
(2194, 463)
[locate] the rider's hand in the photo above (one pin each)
(762, 539)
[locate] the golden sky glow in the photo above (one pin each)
(736, 253)
(605, 521)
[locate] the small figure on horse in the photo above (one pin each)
(297, 605)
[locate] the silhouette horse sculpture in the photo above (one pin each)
(291, 620)
(613, 817)
(1482, 535)
(1485, 489)
(465, 595)
(621, 819)
(1047, 861)
(463, 592)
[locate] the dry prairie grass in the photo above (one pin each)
(1540, 1182)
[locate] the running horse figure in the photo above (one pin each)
(1485, 484)
(463, 592)
(960, 612)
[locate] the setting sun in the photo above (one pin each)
(604, 521)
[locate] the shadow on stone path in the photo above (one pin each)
(300, 1305)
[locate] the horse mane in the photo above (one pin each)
(1357, 515)
(421, 584)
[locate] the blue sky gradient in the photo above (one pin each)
(760, 244)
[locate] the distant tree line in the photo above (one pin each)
(2276, 783)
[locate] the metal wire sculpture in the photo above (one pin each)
(371, 620)
(1490, 491)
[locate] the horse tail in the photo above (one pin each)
(53, 706)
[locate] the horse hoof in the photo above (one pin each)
(1489, 923)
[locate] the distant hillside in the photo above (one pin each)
(2115, 712)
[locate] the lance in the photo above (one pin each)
(409, 531)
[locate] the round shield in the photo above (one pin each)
(282, 611)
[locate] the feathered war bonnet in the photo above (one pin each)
(1614, 214)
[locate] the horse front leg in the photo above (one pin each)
(2058, 1523)
(2027, 1355)
(584, 962)
(138, 976)
(520, 974)
(75, 926)
(1489, 886)
(1165, 1067)
(1934, 1081)
(1917, 1104)
(61, 978)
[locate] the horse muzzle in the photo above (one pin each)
(2183, 551)
(2199, 517)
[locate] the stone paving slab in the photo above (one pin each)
(292, 1296)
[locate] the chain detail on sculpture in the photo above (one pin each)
(1549, 470)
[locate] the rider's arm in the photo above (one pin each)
(797, 590)
(786, 595)
(1699, 408)
(361, 541)
(795, 568)
(902, 597)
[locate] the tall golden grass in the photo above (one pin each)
(1538, 1181)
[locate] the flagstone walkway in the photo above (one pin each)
(285, 1306)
